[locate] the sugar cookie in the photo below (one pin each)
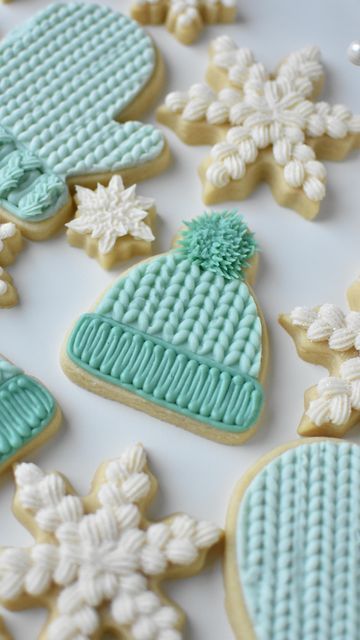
(11, 243)
(8, 294)
(65, 78)
(29, 414)
(3, 631)
(97, 562)
(262, 127)
(327, 336)
(112, 223)
(291, 561)
(180, 336)
(184, 18)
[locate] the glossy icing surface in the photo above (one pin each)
(65, 76)
(170, 377)
(26, 408)
(298, 544)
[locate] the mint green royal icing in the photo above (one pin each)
(64, 79)
(219, 242)
(298, 545)
(168, 376)
(7, 370)
(26, 409)
(182, 336)
(175, 300)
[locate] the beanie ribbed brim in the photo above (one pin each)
(26, 408)
(165, 375)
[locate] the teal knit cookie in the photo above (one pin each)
(28, 413)
(65, 77)
(180, 335)
(292, 561)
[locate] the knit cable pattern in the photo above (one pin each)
(175, 300)
(298, 544)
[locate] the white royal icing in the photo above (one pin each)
(187, 13)
(7, 230)
(103, 560)
(337, 396)
(3, 283)
(262, 111)
(111, 212)
(329, 323)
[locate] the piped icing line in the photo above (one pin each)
(66, 128)
(291, 522)
(184, 18)
(337, 396)
(27, 411)
(253, 112)
(110, 213)
(329, 324)
(181, 333)
(11, 243)
(7, 230)
(4, 286)
(326, 335)
(103, 560)
(197, 388)
(8, 293)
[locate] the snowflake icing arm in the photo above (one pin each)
(184, 18)
(8, 293)
(99, 556)
(326, 335)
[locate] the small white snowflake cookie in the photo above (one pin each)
(263, 127)
(327, 336)
(112, 223)
(184, 18)
(97, 561)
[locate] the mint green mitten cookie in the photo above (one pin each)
(292, 545)
(65, 78)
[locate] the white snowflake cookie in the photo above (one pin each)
(327, 336)
(184, 18)
(97, 561)
(263, 127)
(112, 223)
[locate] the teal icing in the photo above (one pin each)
(27, 189)
(219, 242)
(175, 300)
(166, 375)
(7, 370)
(298, 544)
(26, 409)
(65, 77)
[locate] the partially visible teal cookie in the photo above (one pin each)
(29, 414)
(66, 77)
(293, 545)
(181, 336)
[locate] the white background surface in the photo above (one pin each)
(301, 263)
